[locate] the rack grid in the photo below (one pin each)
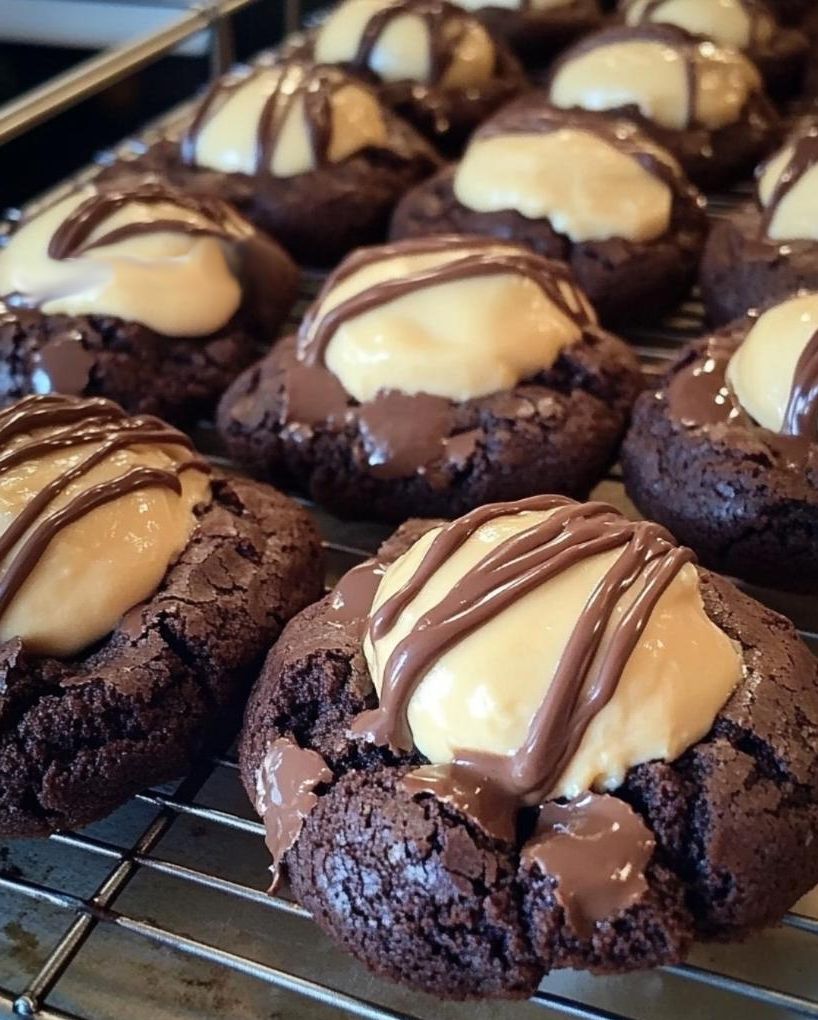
(160, 911)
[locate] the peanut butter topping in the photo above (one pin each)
(547, 645)
(144, 254)
(774, 373)
(286, 119)
(451, 317)
(671, 79)
(588, 188)
(735, 23)
(431, 42)
(94, 508)
(788, 190)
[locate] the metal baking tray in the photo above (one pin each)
(159, 911)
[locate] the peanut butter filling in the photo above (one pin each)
(587, 188)
(94, 508)
(450, 317)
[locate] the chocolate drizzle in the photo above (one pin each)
(804, 157)
(801, 415)
(597, 652)
(445, 25)
(699, 396)
(73, 237)
(597, 849)
(291, 82)
(76, 422)
(482, 256)
(286, 794)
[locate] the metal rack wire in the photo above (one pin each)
(158, 911)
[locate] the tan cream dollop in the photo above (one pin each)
(795, 217)
(228, 141)
(106, 562)
(403, 51)
(179, 284)
(458, 339)
(653, 76)
(483, 692)
(727, 22)
(582, 183)
(762, 371)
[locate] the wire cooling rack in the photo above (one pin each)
(159, 911)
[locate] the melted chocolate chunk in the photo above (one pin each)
(596, 848)
(286, 794)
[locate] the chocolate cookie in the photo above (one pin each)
(767, 249)
(430, 61)
(136, 598)
(137, 291)
(751, 26)
(613, 796)
(433, 375)
(725, 451)
(536, 32)
(591, 191)
(704, 103)
(308, 154)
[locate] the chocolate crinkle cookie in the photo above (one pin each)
(725, 452)
(536, 31)
(703, 102)
(537, 737)
(751, 26)
(308, 154)
(434, 375)
(137, 291)
(138, 595)
(431, 61)
(576, 186)
(768, 248)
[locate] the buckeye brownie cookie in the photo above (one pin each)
(139, 292)
(308, 154)
(594, 192)
(137, 595)
(704, 103)
(431, 61)
(433, 375)
(751, 26)
(536, 737)
(536, 30)
(768, 248)
(725, 452)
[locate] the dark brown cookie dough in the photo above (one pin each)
(626, 281)
(557, 431)
(733, 492)
(78, 737)
(712, 159)
(419, 892)
(742, 269)
(445, 115)
(319, 215)
(537, 36)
